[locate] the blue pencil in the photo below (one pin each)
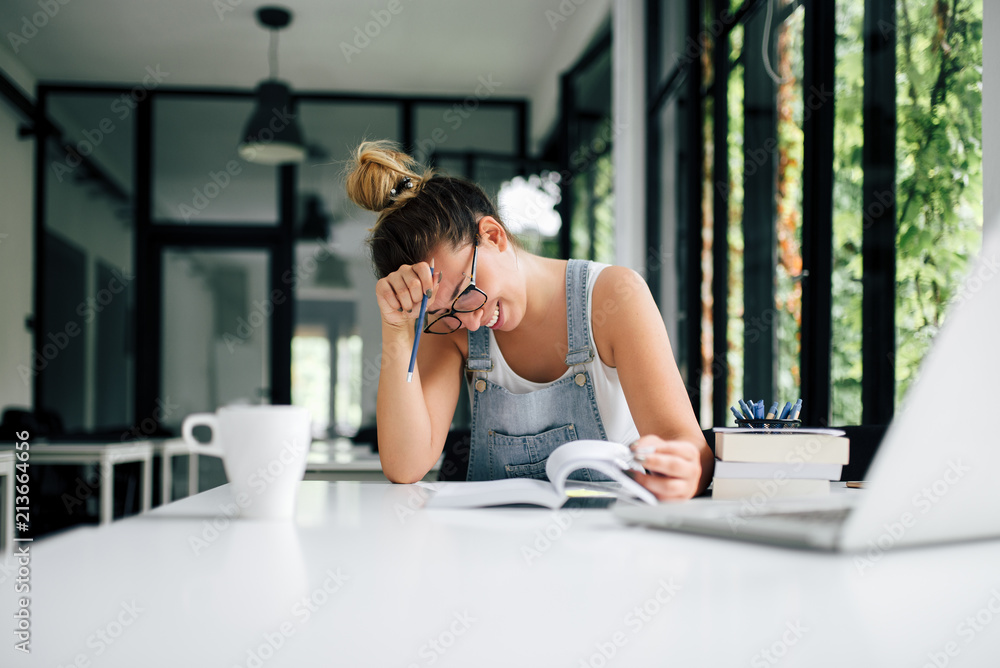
(419, 330)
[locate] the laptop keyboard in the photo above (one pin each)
(827, 516)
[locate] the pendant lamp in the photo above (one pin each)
(272, 135)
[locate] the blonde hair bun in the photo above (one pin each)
(375, 179)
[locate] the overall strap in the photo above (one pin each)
(577, 322)
(479, 351)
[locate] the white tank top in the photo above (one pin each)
(615, 415)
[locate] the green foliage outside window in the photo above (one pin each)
(938, 181)
(939, 167)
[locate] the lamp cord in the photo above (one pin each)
(272, 58)
(765, 50)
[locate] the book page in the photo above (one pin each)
(611, 459)
(495, 493)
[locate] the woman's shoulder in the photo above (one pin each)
(618, 284)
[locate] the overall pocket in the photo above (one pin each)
(525, 456)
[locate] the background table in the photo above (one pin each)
(106, 456)
(7, 484)
(364, 577)
(339, 459)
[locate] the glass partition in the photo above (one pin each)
(336, 319)
(85, 360)
(216, 339)
(198, 178)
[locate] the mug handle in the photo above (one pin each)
(194, 445)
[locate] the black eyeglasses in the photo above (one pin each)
(471, 299)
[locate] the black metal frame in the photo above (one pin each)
(760, 132)
(878, 244)
(720, 219)
(817, 213)
(690, 219)
(152, 237)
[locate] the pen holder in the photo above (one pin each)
(773, 423)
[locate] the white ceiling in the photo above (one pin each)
(427, 47)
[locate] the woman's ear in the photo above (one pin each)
(491, 231)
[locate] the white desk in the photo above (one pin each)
(166, 451)
(106, 456)
(339, 459)
(360, 580)
(7, 484)
(329, 460)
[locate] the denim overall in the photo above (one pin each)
(513, 434)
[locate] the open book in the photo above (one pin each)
(610, 459)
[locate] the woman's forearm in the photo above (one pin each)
(404, 425)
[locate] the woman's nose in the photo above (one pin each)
(471, 321)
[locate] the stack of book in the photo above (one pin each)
(777, 462)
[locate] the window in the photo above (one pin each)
(817, 252)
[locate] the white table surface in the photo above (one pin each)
(463, 588)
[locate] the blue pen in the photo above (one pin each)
(746, 409)
(419, 329)
(786, 410)
(773, 412)
(796, 409)
(758, 409)
(736, 413)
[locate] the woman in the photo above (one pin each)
(552, 350)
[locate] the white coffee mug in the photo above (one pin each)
(263, 449)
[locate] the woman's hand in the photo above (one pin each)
(399, 294)
(674, 467)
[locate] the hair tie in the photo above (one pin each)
(405, 184)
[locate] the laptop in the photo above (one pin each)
(936, 475)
